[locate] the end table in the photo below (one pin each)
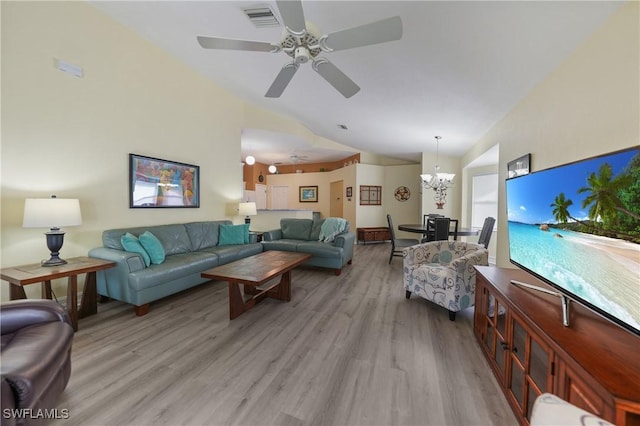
(19, 276)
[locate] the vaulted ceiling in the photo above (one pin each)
(458, 69)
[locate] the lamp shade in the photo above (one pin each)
(247, 209)
(51, 212)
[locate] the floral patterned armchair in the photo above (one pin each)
(443, 273)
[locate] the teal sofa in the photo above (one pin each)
(189, 249)
(303, 235)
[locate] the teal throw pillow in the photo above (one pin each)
(131, 243)
(153, 246)
(233, 234)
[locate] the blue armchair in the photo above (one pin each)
(443, 272)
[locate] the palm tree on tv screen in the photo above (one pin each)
(613, 202)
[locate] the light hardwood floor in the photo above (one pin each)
(347, 350)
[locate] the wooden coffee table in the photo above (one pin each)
(254, 271)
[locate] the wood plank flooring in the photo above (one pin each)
(347, 350)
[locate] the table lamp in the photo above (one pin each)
(247, 209)
(52, 213)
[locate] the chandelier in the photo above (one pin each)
(439, 182)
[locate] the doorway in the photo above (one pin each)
(261, 196)
(336, 202)
(279, 197)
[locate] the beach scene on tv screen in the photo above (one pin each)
(578, 226)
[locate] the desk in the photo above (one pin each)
(20, 276)
(419, 228)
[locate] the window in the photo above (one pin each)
(484, 200)
(370, 195)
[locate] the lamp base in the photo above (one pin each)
(53, 261)
(247, 219)
(55, 238)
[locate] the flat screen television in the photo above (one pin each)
(577, 227)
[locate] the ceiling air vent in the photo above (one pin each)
(261, 16)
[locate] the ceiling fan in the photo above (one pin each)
(295, 159)
(303, 42)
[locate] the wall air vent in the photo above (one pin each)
(261, 16)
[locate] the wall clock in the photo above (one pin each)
(402, 193)
(261, 178)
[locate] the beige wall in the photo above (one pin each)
(588, 106)
(71, 136)
(402, 211)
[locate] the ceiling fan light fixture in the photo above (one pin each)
(302, 41)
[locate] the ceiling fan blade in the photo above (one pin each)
(292, 15)
(373, 33)
(282, 80)
(230, 44)
(335, 77)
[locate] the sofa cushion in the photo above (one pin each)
(131, 243)
(296, 229)
(316, 227)
(173, 268)
(204, 234)
(233, 234)
(319, 249)
(153, 246)
(174, 238)
(231, 253)
(282, 245)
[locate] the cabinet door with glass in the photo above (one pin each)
(491, 327)
(530, 366)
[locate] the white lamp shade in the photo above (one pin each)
(247, 209)
(51, 212)
(446, 177)
(250, 160)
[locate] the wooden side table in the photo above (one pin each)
(19, 276)
(373, 234)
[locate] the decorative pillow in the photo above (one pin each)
(131, 243)
(233, 234)
(153, 246)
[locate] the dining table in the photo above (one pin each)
(419, 228)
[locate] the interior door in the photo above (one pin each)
(261, 196)
(279, 197)
(335, 206)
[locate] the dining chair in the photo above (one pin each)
(455, 229)
(487, 230)
(426, 217)
(437, 229)
(441, 228)
(397, 244)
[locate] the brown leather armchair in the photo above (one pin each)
(36, 359)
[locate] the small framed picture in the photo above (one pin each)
(519, 166)
(309, 194)
(349, 191)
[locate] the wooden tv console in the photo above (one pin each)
(593, 363)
